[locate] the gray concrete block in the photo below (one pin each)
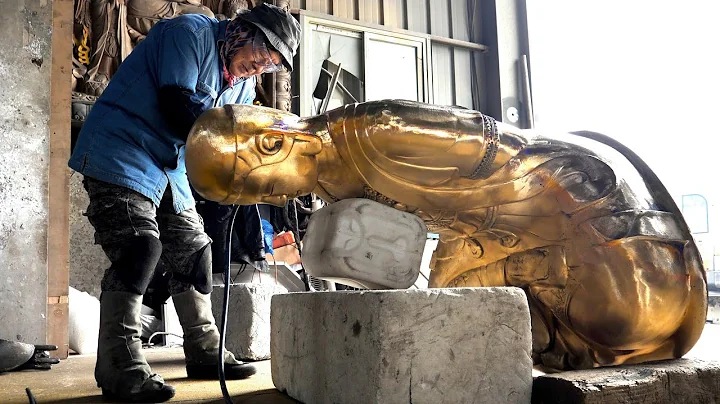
(713, 313)
(87, 259)
(467, 345)
(24, 147)
(669, 382)
(248, 331)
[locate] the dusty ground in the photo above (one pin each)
(72, 382)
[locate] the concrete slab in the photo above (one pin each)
(468, 345)
(668, 382)
(248, 331)
(713, 313)
(25, 135)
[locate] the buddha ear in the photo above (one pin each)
(270, 143)
(311, 145)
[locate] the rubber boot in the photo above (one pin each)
(121, 370)
(201, 339)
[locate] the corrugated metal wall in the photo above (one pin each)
(452, 67)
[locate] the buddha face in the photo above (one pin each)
(241, 154)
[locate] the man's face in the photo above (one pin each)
(252, 59)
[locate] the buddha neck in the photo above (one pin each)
(336, 179)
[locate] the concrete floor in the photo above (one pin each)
(72, 381)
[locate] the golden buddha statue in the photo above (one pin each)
(578, 221)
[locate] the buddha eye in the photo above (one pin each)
(271, 143)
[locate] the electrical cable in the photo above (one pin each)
(295, 229)
(297, 224)
(226, 303)
(302, 208)
(240, 271)
(153, 335)
(306, 278)
(31, 398)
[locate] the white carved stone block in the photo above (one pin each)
(466, 345)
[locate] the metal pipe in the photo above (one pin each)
(528, 94)
(331, 90)
(340, 85)
(459, 44)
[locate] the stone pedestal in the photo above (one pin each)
(468, 345)
(248, 330)
(669, 382)
(713, 314)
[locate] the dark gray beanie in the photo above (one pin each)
(280, 28)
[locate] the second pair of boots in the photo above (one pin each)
(121, 369)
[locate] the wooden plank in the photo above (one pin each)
(58, 299)
(394, 13)
(58, 176)
(417, 17)
(57, 320)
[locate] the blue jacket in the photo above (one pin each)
(125, 139)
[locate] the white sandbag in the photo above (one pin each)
(84, 321)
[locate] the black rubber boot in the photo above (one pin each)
(201, 340)
(121, 370)
(152, 390)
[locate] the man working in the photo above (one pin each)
(131, 152)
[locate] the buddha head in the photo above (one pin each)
(244, 154)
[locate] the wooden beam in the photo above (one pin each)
(58, 177)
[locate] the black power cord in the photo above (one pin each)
(294, 226)
(226, 298)
(31, 398)
(226, 303)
